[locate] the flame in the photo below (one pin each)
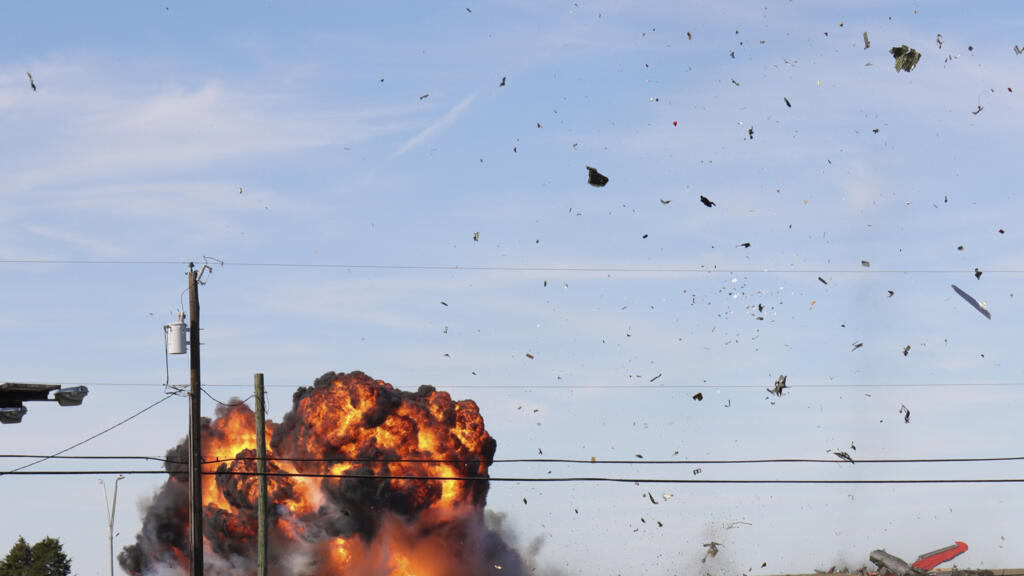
(363, 479)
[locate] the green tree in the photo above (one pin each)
(44, 558)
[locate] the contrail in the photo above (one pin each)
(443, 122)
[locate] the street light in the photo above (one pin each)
(13, 395)
(72, 396)
(110, 517)
(12, 414)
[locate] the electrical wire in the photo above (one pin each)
(540, 479)
(94, 436)
(228, 404)
(641, 386)
(683, 462)
(496, 268)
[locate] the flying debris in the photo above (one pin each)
(750, 132)
(698, 396)
(938, 40)
(822, 280)
(712, 551)
(865, 263)
(664, 201)
(977, 273)
(705, 201)
(906, 57)
(978, 111)
(979, 306)
(867, 43)
(892, 293)
(31, 81)
(779, 385)
(856, 345)
(1018, 49)
(502, 82)
(906, 413)
(476, 236)
(906, 350)
(844, 456)
(595, 178)
(743, 245)
(655, 378)
(653, 501)
(424, 96)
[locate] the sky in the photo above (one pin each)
(402, 189)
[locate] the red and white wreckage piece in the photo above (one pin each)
(889, 565)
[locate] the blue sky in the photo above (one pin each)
(149, 118)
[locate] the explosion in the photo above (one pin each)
(363, 479)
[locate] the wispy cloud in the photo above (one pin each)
(443, 122)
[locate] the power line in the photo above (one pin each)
(495, 268)
(543, 479)
(639, 386)
(96, 435)
(686, 462)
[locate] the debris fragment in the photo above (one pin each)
(978, 111)
(698, 396)
(31, 81)
(594, 178)
(750, 132)
(502, 81)
(476, 236)
(865, 263)
(977, 273)
(856, 345)
(424, 96)
(844, 456)
(705, 201)
(906, 350)
(906, 58)
(788, 105)
(697, 471)
(653, 501)
(867, 43)
(891, 293)
(906, 413)
(979, 306)
(530, 356)
(779, 385)
(712, 551)
(938, 40)
(822, 280)
(689, 36)
(743, 245)
(664, 201)
(655, 378)
(1018, 49)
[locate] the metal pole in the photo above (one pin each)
(195, 482)
(261, 469)
(111, 511)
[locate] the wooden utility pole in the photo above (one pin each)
(195, 478)
(261, 469)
